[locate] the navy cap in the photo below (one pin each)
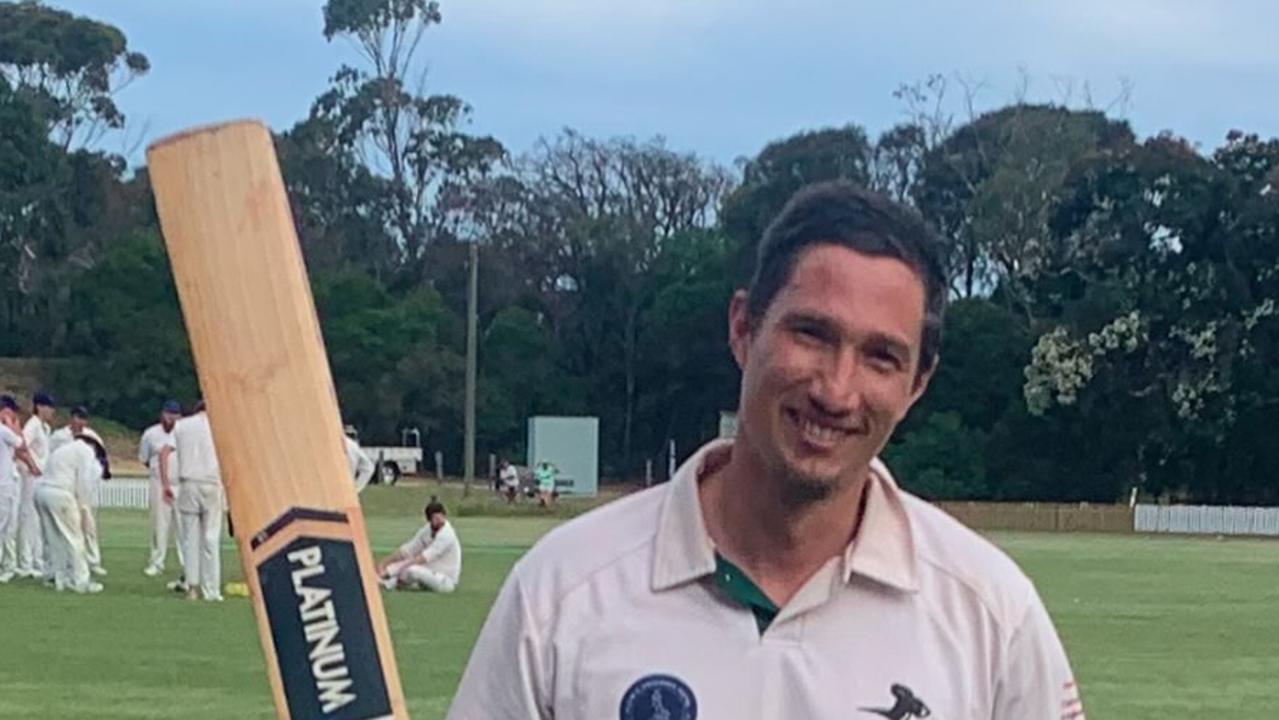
(43, 398)
(8, 403)
(80, 411)
(172, 406)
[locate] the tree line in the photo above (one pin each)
(1112, 325)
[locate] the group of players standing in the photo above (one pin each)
(50, 488)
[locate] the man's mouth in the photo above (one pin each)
(817, 432)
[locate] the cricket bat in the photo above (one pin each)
(263, 371)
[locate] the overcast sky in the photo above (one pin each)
(717, 77)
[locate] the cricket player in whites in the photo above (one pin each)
(430, 560)
(62, 494)
(783, 573)
(200, 502)
(36, 432)
(13, 450)
(358, 462)
(162, 498)
(76, 427)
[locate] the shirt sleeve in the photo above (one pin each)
(9, 437)
(509, 674)
(417, 543)
(363, 469)
(144, 449)
(1036, 681)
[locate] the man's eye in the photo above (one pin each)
(810, 333)
(885, 360)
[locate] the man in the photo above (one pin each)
(544, 474)
(62, 497)
(30, 545)
(783, 573)
(13, 450)
(430, 560)
(200, 504)
(358, 462)
(508, 478)
(76, 427)
(164, 513)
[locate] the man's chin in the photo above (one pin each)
(808, 485)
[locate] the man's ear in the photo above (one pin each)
(739, 327)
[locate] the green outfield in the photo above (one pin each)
(1157, 627)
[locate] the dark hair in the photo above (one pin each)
(434, 506)
(100, 453)
(80, 411)
(8, 403)
(839, 213)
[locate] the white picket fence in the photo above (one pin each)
(124, 492)
(1207, 519)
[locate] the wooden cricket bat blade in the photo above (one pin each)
(272, 407)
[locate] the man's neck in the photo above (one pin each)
(778, 542)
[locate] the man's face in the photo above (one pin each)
(78, 424)
(168, 419)
(45, 413)
(830, 369)
(8, 417)
(436, 521)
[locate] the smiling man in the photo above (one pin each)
(784, 573)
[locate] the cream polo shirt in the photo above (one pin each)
(617, 615)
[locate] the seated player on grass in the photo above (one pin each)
(430, 560)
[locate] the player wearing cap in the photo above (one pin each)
(164, 513)
(430, 560)
(62, 496)
(783, 573)
(30, 544)
(13, 451)
(200, 503)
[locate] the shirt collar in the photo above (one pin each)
(883, 550)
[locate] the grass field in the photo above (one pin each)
(1157, 627)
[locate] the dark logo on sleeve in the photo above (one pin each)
(659, 697)
(905, 706)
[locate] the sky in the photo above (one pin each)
(718, 77)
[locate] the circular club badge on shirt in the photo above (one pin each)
(659, 697)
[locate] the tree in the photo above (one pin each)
(69, 68)
(782, 168)
(60, 200)
(29, 169)
(687, 375)
(1166, 315)
(391, 357)
(942, 459)
(127, 342)
(342, 211)
(990, 188)
(616, 205)
(399, 133)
